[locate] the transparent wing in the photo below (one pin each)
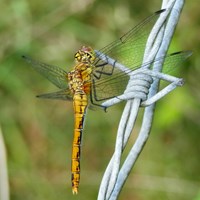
(113, 84)
(54, 74)
(108, 81)
(129, 49)
(174, 60)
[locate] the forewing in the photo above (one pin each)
(109, 81)
(129, 49)
(53, 73)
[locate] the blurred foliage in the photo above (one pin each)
(38, 133)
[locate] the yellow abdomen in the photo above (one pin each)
(80, 105)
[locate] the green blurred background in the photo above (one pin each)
(38, 133)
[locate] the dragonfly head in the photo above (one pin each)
(85, 55)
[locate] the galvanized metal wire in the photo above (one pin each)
(157, 45)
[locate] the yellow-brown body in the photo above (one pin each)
(79, 84)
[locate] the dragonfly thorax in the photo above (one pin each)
(85, 55)
(80, 78)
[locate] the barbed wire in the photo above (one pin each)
(157, 45)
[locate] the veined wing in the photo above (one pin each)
(54, 74)
(113, 84)
(129, 49)
(109, 81)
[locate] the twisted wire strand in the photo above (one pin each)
(157, 45)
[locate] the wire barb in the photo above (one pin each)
(157, 46)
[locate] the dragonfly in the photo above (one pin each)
(93, 80)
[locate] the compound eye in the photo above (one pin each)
(77, 56)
